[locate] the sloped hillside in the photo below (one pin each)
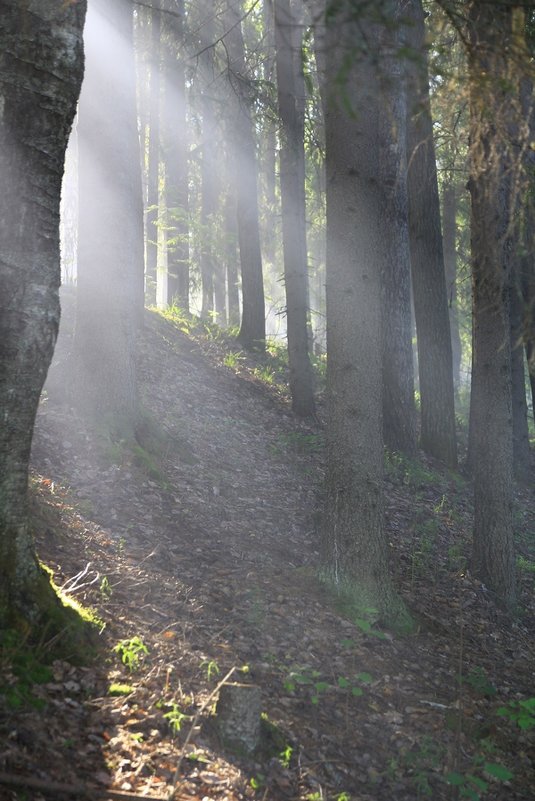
(199, 553)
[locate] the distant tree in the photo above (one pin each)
(41, 66)
(492, 112)
(292, 183)
(355, 550)
(209, 177)
(153, 161)
(437, 436)
(449, 235)
(175, 139)
(110, 241)
(253, 325)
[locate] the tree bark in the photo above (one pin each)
(437, 436)
(292, 179)
(490, 190)
(111, 214)
(399, 413)
(41, 67)
(355, 551)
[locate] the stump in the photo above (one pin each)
(238, 716)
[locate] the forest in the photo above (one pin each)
(267, 400)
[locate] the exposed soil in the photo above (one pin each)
(203, 546)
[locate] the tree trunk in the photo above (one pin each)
(253, 325)
(490, 165)
(153, 167)
(292, 179)
(521, 450)
(209, 160)
(176, 159)
(399, 413)
(41, 67)
(449, 232)
(110, 242)
(355, 551)
(429, 283)
(269, 143)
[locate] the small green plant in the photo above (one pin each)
(265, 374)
(352, 686)
(520, 712)
(233, 359)
(120, 689)
(257, 782)
(211, 667)
(478, 680)
(131, 652)
(285, 756)
(175, 717)
(105, 588)
(305, 677)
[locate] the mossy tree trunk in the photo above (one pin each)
(41, 67)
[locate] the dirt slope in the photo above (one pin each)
(203, 547)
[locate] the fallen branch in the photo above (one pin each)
(80, 790)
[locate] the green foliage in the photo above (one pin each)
(131, 652)
(285, 756)
(233, 359)
(316, 685)
(470, 785)
(520, 712)
(23, 668)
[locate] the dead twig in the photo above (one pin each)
(79, 790)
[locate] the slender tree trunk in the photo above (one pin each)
(355, 551)
(491, 414)
(37, 104)
(176, 159)
(429, 283)
(399, 413)
(449, 232)
(253, 326)
(521, 449)
(292, 176)
(270, 141)
(209, 160)
(153, 168)
(231, 257)
(111, 214)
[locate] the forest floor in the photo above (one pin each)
(199, 554)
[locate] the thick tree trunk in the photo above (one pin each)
(491, 414)
(399, 413)
(176, 159)
(153, 166)
(429, 283)
(449, 233)
(41, 66)
(292, 179)
(253, 325)
(111, 214)
(355, 551)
